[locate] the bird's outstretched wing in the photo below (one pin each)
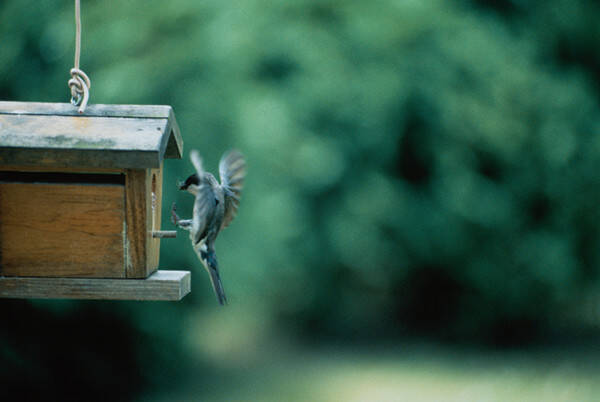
(197, 162)
(232, 170)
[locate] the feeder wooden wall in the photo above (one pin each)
(80, 195)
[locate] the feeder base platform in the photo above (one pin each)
(161, 285)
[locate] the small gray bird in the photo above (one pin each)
(214, 209)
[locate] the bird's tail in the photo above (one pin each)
(209, 258)
(217, 285)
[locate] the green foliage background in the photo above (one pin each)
(415, 167)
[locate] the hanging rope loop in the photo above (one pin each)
(79, 83)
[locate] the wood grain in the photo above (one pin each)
(162, 285)
(61, 230)
(136, 218)
(81, 141)
(48, 128)
(175, 144)
(155, 183)
(60, 169)
(99, 110)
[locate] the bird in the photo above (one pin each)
(215, 206)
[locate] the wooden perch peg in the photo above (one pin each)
(164, 234)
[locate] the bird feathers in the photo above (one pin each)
(232, 171)
(204, 211)
(209, 261)
(197, 162)
(215, 206)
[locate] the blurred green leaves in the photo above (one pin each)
(403, 156)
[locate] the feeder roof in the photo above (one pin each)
(104, 136)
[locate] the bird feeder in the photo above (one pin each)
(80, 201)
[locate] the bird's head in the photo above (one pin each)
(190, 184)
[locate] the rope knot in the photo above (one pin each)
(80, 88)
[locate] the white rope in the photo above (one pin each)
(79, 83)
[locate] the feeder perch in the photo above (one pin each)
(80, 201)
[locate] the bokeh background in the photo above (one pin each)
(420, 220)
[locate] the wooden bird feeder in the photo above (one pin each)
(80, 201)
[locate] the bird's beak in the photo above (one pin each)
(180, 185)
